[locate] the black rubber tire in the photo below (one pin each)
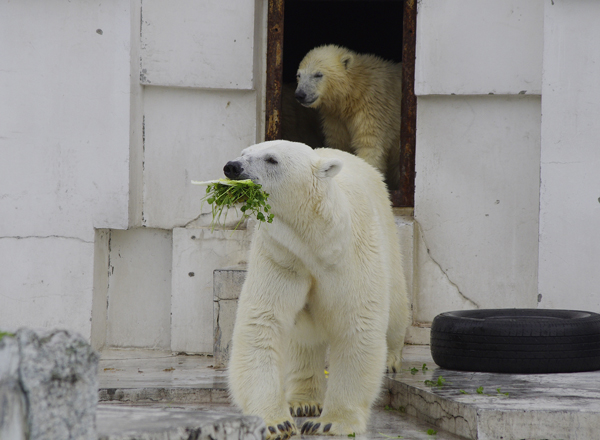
(518, 341)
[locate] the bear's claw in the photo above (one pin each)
(280, 431)
(311, 427)
(323, 427)
(305, 409)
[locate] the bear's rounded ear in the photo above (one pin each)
(329, 168)
(347, 60)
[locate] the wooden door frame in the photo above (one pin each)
(405, 196)
(274, 70)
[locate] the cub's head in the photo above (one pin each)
(321, 75)
(287, 171)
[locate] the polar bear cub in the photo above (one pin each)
(359, 98)
(327, 273)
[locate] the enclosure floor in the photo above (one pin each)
(140, 386)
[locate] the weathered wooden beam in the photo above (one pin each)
(274, 69)
(405, 196)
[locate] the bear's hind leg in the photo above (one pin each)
(356, 370)
(305, 387)
(399, 319)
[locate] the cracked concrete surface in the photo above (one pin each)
(458, 290)
(44, 237)
(436, 292)
(507, 406)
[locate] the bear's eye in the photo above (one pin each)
(318, 75)
(271, 160)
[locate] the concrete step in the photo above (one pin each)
(155, 376)
(155, 395)
(121, 422)
(152, 395)
(506, 407)
(557, 406)
(117, 421)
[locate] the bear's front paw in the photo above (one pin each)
(394, 362)
(280, 429)
(328, 427)
(306, 409)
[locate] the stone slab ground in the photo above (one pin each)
(151, 392)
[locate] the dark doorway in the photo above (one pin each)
(378, 27)
(362, 26)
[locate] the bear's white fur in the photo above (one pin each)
(326, 273)
(359, 98)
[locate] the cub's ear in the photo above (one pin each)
(347, 60)
(329, 168)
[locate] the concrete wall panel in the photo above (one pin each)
(477, 47)
(64, 119)
(190, 135)
(46, 283)
(139, 289)
(196, 254)
(206, 44)
(476, 202)
(570, 157)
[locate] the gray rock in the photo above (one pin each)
(58, 374)
(12, 398)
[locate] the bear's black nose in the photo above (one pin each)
(233, 170)
(300, 95)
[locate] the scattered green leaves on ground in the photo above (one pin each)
(352, 435)
(439, 383)
(500, 392)
(415, 370)
(431, 432)
(3, 334)
(223, 194)
(480, 391)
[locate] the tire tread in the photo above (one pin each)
(517, 341)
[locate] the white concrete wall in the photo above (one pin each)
(476, 202)
(569, 273)
(190, 134)
(201, 70)
(198, 65)
(208, 44)
(64, 138)
(110, 109)
(478, 152)
(139, 288)
(475, 47)
(196, 254)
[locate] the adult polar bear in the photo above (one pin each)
(326, 272)
(358, 97)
